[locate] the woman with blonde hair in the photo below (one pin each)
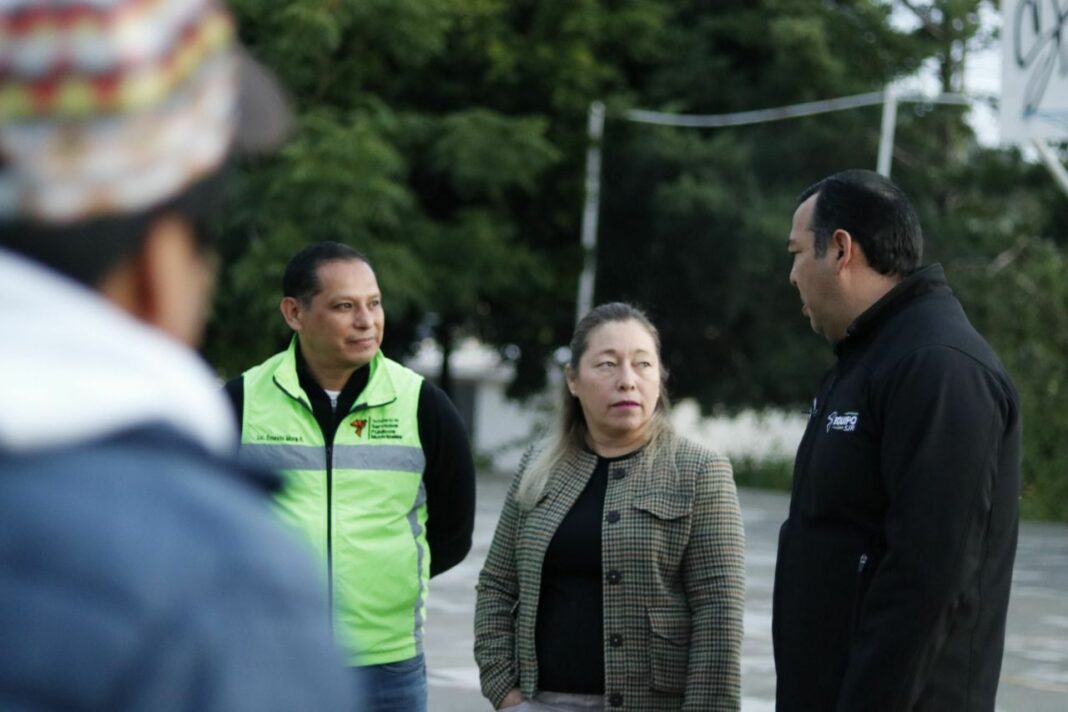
(615, 580)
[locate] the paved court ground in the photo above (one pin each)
(1034, 675)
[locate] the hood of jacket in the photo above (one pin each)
(74, 368)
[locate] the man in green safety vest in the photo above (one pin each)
(379, 477)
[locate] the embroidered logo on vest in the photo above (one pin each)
(358, 424)
(383, 429)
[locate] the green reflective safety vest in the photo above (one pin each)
(360, 503)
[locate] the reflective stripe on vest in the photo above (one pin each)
(364, 511)
(353, 457)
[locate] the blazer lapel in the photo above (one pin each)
(562, 490)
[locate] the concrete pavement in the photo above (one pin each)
(1034, 675)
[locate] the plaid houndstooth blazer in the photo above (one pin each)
(672, 620)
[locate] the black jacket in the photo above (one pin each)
(894, 566)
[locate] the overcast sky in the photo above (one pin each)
(982, 77)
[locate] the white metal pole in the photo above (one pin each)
(1053, 164)
(886, 133)
(595, 130)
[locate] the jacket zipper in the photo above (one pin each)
(815, 418)
(862, 563)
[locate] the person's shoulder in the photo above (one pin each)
(694, 454)
(946, 350)
(936, 330)
(147, 517)
(428, 389)
(434, 402)
(409, 384)
(396, 367)
(703, 465)
(142, 535)
(267, 366)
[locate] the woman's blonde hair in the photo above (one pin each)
(569, 431)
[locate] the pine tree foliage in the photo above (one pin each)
(447, 139)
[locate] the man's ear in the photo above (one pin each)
(168, 283)
(291, 312)
(843, 248)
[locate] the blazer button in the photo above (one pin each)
(615, 699)
(618, 474)
(615, 640)
(615, 576)
(613, 517)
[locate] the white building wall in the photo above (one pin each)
(501, 429)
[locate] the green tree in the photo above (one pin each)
(446, 138)
(695, 221)
(443, 138)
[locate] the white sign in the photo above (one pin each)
(1034, 74)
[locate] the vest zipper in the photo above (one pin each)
(330, 503)
(330, 528)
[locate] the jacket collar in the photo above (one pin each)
(379, 391)
(651, 477)
(925, 280)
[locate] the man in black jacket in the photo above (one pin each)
(894, 565)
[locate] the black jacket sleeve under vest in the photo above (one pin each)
(950, 425)
(449, 476)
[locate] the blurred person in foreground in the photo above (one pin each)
(378, 469)
(894, 566)
(616, 578)
(140, 567)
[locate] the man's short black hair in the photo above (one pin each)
(88, 250)
(301, 278)
(875, 212)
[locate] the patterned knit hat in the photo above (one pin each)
(113, 106)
